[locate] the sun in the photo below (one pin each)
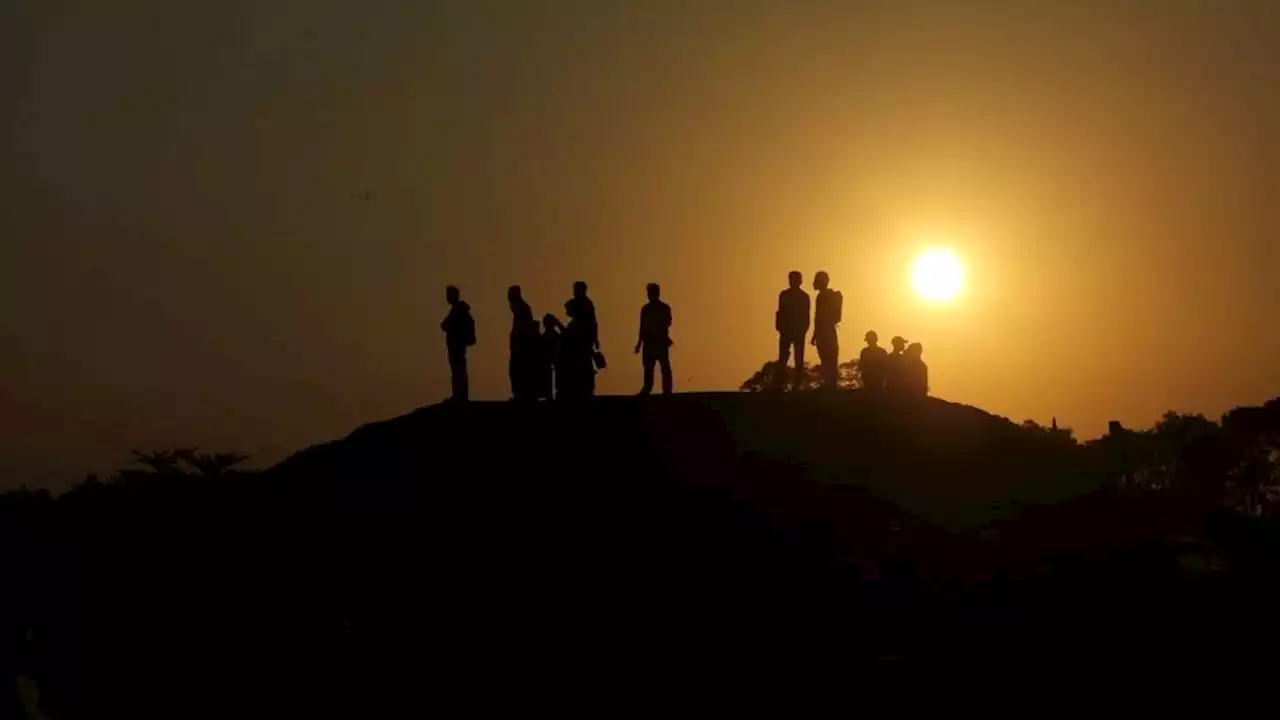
(937, 275)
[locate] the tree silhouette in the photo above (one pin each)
(767, 378)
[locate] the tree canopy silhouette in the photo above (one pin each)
(767, 378)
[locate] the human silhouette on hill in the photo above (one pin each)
(575, 367)
(826, 316)
(584, 311)
(523, 367)
(873, 363)
(893, 378)
(459, 334)
(792, 323)
(914, 372)
(550, 352)
(655, 340)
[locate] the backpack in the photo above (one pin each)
(468, 330)
(837, 304)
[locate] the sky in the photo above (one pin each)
(184, 259)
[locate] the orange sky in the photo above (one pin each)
(183, 259)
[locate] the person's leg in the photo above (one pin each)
(458, 368)
(799, 381)
(828, 355)
(648, 359)
(784, 354)
(668, 384)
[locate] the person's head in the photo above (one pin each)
(550, 322)
(899, 343)
(795, 279)
(653, 291)
(915, 350)
(580, 289)
(821, 281)
(871, 337)
(452, 295)
(513, 294)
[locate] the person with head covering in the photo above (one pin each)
(893, 376)
(872, 363)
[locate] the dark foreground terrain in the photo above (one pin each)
(495, 553)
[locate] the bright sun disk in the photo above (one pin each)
(937, 275)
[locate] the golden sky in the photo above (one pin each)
(183, 258)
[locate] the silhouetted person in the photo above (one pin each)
(523, 367)
(575, 368)
(792, 324)
(655, 340)
(893, 379)
(829, 307)
(873, 363)
(550, 352)
(915, 373)
(459, 334)
(584, 311)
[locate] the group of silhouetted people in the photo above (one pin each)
(548, 360)
(558, 360)
(902, 372)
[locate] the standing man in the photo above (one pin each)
(655, 339)
(459, 334)
(826, 316)
(523, 366)
(585, 312)
(792, 324)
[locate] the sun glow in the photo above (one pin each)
(937, 275)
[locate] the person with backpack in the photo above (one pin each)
(792, 323)
(459, 334)
(655, 340)
(829, 307)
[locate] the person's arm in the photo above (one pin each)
(807, 308)
(640, 332)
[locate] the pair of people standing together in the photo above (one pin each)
(792, 324)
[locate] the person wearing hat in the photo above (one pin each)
(893, 377)
(873, 363)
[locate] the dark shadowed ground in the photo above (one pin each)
(500, 552)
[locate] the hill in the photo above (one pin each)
(500, 542)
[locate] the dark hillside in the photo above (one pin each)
(462, 546)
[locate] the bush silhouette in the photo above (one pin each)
(767, 377)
